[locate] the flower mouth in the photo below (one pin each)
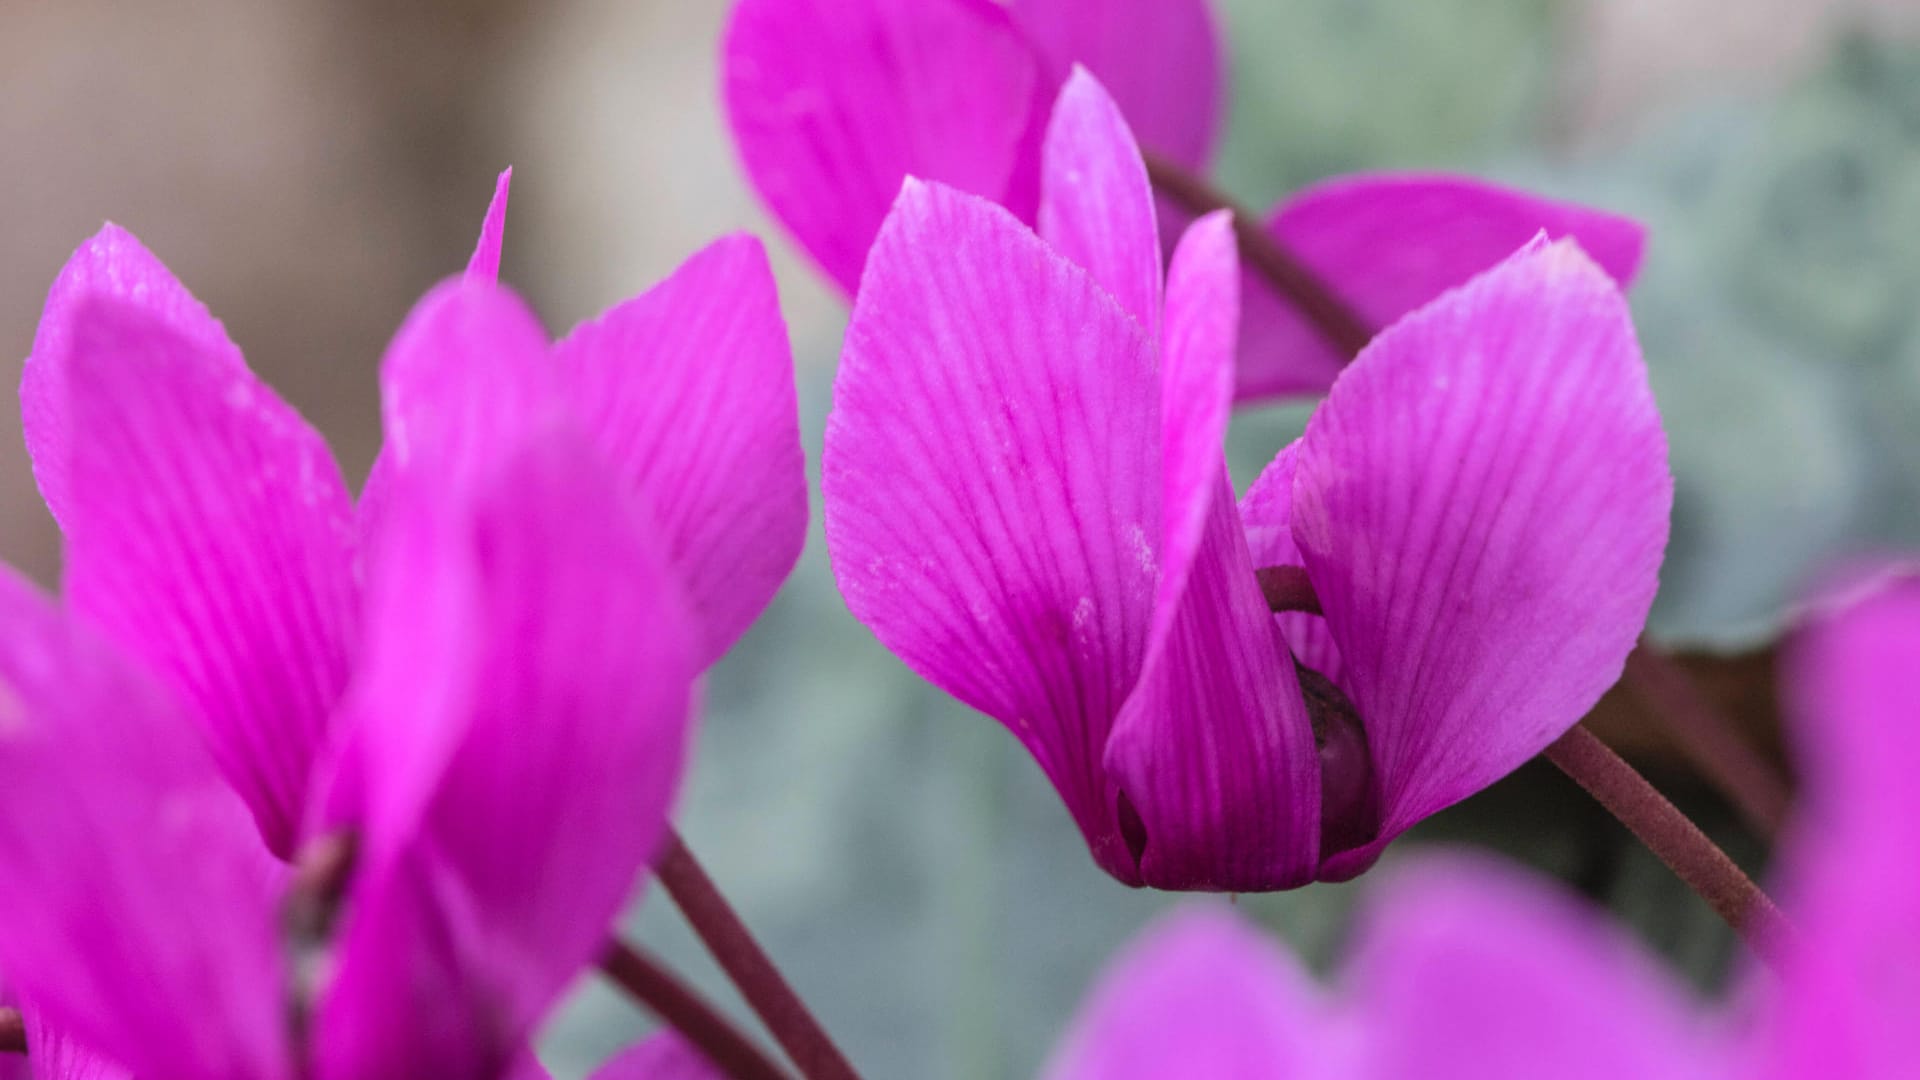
(1349, 797)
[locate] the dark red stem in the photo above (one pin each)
(1708, 738)
(650, 983)
(747, 964)
(1669, 834)
(13, 1032)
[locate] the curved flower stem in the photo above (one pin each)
(1708, 737)
(650, 983)
(1669, 834)
(13, 1032)
(747, 964)
(1342, 326)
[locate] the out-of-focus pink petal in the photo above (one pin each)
(1846, 1002)
(1482, 505)
(664, 1056)
(1214, 749)
(991, 481)
(833, 102)
(466, 373)
(138, 898)
(1200, 994)
(113, 264)
(1389, 243)
(1466, 969)
(210, 535)
(1160, 58)
(689, 389)
(1096, 206)
(484, 266)
(563, 707)
(56, 1056)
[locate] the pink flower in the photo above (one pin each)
(833, 102)
(1026, 500)
(560, 537)
(1468, 969)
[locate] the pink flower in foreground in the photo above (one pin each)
(559, 539)
(1471, 970)
(1027, 501)
(833, 102)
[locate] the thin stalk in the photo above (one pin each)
(13, 1032)
(1709, 738)
(1669, 834)
(650, 983)
(747, 964)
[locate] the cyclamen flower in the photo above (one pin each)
(1468, 969)
(833, 102)
(1027, 501)
(560, 539)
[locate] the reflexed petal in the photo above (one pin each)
(1161, 59)
(563, 714)
(1465, 969)
(689, 389)
(1390, 243)
(991, 478)
(484, 266)
(1201, 994)
(57, 1057)
(1096, 206)
(210, 535)
(1482, 505)
(1214, 749)
(113, 264)
(138, 898)
(833, 102)
(1846, 1003)
(665, 1056)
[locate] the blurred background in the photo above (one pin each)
(309, 168)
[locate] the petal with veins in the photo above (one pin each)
(1096, 206)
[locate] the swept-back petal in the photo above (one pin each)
(1214, 749)
(1096, 206)
(689, 389)
(1389, 243)
(833, 102)
(1482, 506)
(112, 264)
(562, 703)
(1201, 993)
(665, 1056)
(1846, 1002)
(56, 1056)
(484, 266)
(209, 534)
(991, 483)
(1556, 991)
(1160, 58)
(138, 898)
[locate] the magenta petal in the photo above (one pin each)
(138, 899)
(990, 479)
(484, 266)
(1200, 994)
(1849, 993)
(1466, 969)
(833, 102)
(1214, 749)
(689, 389)
(115, 265)
(1266, 512)
(1096, 206)
(209, 534)
(1482, 505)
(1161, 59)
(665, 1056)
(560, 713)
(56, 1056)
(1388, 243)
